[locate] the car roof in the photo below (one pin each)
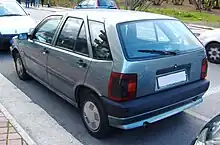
(114, 16)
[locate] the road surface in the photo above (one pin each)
(179, 129)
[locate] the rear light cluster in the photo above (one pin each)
(204, 68)
(122, 87)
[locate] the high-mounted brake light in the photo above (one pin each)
(204, 68)
(122, 87)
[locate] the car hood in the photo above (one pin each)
(16, 24)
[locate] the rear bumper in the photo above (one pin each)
(5, 41)
(152, 108)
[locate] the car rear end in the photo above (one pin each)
(163, 73)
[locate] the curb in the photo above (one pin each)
(17, 127)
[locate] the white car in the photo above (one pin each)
(13, 20)
(211, 41)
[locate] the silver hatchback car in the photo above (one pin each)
(123, 69)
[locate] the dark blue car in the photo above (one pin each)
(97, 4)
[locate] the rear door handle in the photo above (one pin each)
(81, 63)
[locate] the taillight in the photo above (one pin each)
(122, 87)
(204, 68)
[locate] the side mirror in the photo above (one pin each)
(28, 14)
(23, 36)
(210, 134)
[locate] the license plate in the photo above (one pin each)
(171, 79)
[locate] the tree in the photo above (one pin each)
(191, 2)
(216, 5)
(205, 4)
(177, 2)
(158, 2)
(137, 4)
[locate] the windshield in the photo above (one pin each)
(160, 35)
(11, 9)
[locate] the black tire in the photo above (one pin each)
(212, 55)
(21, 74)
(104, 129)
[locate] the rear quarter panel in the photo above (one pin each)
(100, 70)
(98, 76)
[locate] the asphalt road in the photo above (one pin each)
(179, 129)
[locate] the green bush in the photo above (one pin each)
(63, 3)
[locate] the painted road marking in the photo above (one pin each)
(197, 115)
(212, 91)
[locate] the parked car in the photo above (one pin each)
(13, 20)
(211, 41)
(97, 4)
(210, 133)
(120, 71)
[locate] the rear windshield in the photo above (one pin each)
(159, 35)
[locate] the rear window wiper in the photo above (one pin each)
(162, 52)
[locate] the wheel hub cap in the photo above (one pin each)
(19, 66)
(214, 53)
(91, 116)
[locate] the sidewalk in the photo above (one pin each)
(8, 134)
(34, 120)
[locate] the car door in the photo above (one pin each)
(69, 59)
(36, 48)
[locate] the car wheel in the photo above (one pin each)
(94, 117)
(213, 52)
(20, 69)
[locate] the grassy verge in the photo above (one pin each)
(192, 17)
(63, 3)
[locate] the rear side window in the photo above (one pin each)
(81, 43)
(99, 41)
(141, 39)
(68, 34)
